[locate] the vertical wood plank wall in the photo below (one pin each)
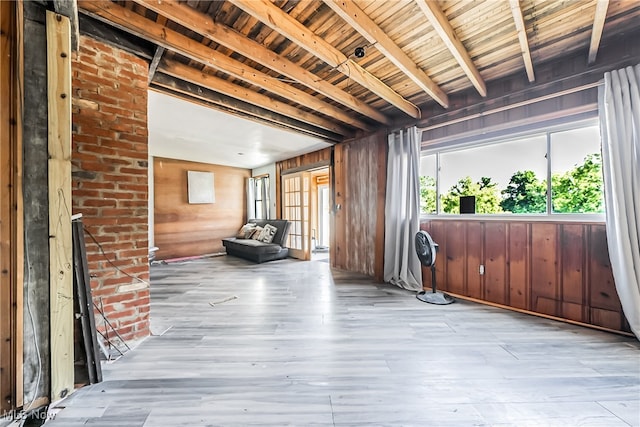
(60, 240)
(558, 269)
(358, 187)
(183, 229)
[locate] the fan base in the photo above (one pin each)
(435, 298)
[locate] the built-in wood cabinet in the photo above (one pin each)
(559, 269)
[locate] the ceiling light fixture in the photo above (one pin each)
(359, 52)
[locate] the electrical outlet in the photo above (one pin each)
(481, 269)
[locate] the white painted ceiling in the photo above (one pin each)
(183, 130)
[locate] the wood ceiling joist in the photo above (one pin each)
(211, 99)
(596, 32)
(355, 17)
(443, 27)
(149, 30)
(280, 21)
(186, 73)
(204, 25)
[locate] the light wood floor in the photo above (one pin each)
(302, 345)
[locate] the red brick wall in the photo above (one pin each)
(110, 164)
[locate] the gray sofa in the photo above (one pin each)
(259, 252)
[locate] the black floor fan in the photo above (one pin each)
(426, 250)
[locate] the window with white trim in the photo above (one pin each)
(515, 175)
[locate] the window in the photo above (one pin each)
(511, 175)
(261, 197)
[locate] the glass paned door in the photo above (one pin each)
(295, 208)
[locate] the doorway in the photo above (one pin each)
(320, 214)
(306, 203)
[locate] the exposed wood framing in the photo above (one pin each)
(280, 21)
(181, 89)
(181, 71)
(60, 236)
(240, 108)
(7, 269)
(596, 32)
(204, 25)
(443, 27)
(18, 237)
(69, 8)
(358, 19)
(183, 45)
(516, 11)
(36, 326)
(154, 62)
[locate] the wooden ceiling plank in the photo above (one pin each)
(518, 19)
(204, 25)
(444, 29)
(596, 32)
(184, 72)
(280, 21)
(171, 40)
(355, 17)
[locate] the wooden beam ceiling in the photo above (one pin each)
(274, 17)
(596, 32)
(518, 19)
(196, 51)
(358, 19)
(190, 74)
(443, 27)
(179, 88)
(205, 26)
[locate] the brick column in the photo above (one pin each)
(110, 165)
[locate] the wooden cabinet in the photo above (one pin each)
(560, 269)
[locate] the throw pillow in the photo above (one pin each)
(255, 235)
(268, 233)
(245, 231)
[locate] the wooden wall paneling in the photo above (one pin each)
(495, 262)
(572, 247)
(361, 165)
(518, 266)
(382, 146)
(183, 229)
(455, 257)
(604, 303)
(544, 266)
(438, 232)
(475, 257)
(337, 250)
(60, 242)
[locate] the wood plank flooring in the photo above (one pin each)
(302, 345)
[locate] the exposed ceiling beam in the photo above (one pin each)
(203, 24)
(598, 26)
(358, 19)
(444, 29)
(169, 39)
(274, 17)
(184, 72)
(211, 99)
(518, 19)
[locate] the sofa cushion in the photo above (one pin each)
(268, 233)
(255, 234)
(245, 231)
(281, 224)
(250, 245)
